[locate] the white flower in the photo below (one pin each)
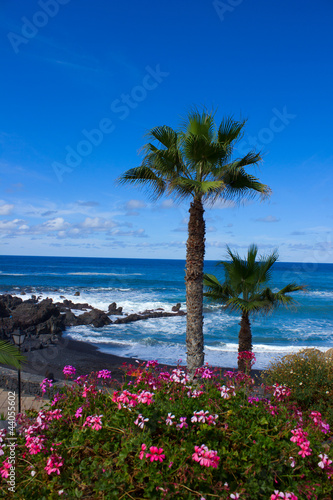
(33, 473)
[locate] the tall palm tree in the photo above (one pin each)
(196, 163)
(245, 290)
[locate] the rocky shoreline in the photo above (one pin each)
(44, 321)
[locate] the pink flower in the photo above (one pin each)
(125, 398)
(194, 394)
(317, 419)
(54, 415)
(281, 392)
(35, 444)
(145, 397)
(104, 374)
(227, 392)
(87, 390)
(325, 461)
(280, 494)
(69, 370)
(182, 423)
(179, 376)
(5, 468)
(53, 463)
(169, 418)
(205, 457)
(235, 495)
(46, 383)
(207, 373)
(140, 421)
(152, 363)
(78, 412)
(156, 454)
(94, 422)
(142, 452)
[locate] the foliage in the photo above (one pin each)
(245, 287)
(245, 290)
(309, 374)
(158, 438)
(10, 355)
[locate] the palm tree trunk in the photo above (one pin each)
(195, 252)
(244, 339)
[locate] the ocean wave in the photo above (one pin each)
(325, 294)
(103, 274)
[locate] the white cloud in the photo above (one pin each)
(98, 223)
(167, 203)
(222, 204)
(269, 218)
(9, 225)
(134, 204)
(56, 224)
(5, 208)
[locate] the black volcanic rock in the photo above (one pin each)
(94, 317)
(114, 310)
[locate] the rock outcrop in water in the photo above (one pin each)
(44, 321)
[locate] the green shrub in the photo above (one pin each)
(159, 438)
(309, 375)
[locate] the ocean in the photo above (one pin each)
(140, 284)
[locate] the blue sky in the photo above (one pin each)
(82, 81)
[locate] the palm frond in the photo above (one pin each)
(165, 135)
(10, 355)
(145, 177)
(230, 130)
(200, 123)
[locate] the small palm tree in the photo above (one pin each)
(245, 290)
(196, 163)
(10, 355)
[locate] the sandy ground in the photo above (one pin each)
(49, 362)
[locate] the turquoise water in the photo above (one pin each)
(139, 284)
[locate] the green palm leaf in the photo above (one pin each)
(10, 355)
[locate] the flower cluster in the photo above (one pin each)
(94, 421)
(194, 394)
(182, 423)
(319, 422)
(227, 392)
(325, 461)
(179, 376)
(248, 357)
(152, 362)
(68, 371)
(140, 421)
(104, 374)
(281, 392)
(53, 463)
(169, 419)
(35, 444)
(127, 399)
(300, 438)
(204, 417)
(154, 454)
(2, 435)
(205, 457)
(277, 495)
(46, 383)
(88, 390)
(5, 468)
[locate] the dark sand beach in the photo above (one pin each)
(85, 357)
